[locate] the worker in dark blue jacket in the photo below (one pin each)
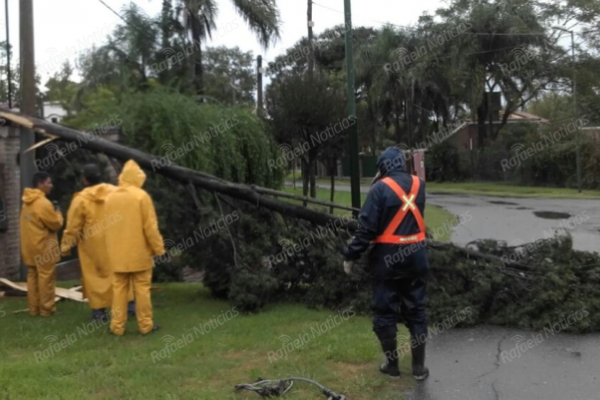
(392, 220)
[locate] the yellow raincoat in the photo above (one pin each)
(39, 249)
(87, 225)
(131, 245)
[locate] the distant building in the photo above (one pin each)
(466, 134)
(53, 112)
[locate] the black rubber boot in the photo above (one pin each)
(390, 350)
(99, 315)
(131, 308)
(154, 329)
(420, 371)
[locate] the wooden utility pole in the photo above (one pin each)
(27, 137)
(259, 83)
(353, 130)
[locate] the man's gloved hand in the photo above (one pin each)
(349, 268)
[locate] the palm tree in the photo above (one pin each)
(407, 89)
(198, 18)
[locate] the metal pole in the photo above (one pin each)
(353, 130)
(8, 71)
(259, 83)
(311, 50)
(27, 61)
(578, 133)
(575, 112)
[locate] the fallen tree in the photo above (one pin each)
(291, 252)
(252, 194)
(255, 195)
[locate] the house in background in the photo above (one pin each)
(466, 134)
(53, 112)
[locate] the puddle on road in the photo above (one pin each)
(551, 215)
(522, 208)
(503, 203)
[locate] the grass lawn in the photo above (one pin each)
(502, 190)
(96, 365)
(436, 218)
(490, 189)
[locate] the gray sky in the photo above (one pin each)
(64, 28)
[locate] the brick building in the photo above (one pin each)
(10, 198)
(466, 136)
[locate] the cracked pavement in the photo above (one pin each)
(493, 363)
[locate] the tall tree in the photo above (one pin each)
(307, 121)
(230, 77)
(199, 20)
(61, 89)
(4, 75)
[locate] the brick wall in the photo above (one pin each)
(10, 183)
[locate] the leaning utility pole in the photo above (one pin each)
(353, 130)
(27, 137)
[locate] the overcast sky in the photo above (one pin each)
(65, 27)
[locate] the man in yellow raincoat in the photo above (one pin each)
(87, 225)
(40, 221)
(132, 243)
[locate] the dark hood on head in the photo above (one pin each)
(391, 160)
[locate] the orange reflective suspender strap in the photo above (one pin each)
(408, 205)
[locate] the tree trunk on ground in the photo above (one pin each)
(248, 193)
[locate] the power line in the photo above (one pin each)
(113, 11)
(154, 40)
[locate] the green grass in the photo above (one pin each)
(436, 218)
(101, 366)
(502, 190)
(490, 189)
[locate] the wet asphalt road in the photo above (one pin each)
(485, 363)
(514, 220)
(493, 363)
